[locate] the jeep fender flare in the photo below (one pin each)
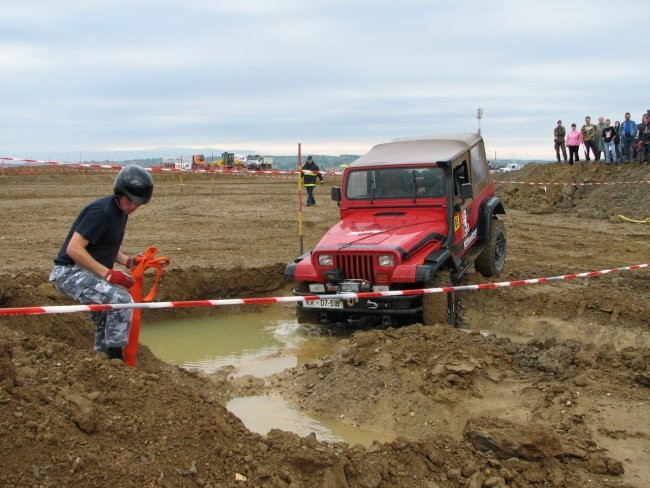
(290, 269)
(437, 260)
(488, 210)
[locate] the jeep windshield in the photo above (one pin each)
(391, 183)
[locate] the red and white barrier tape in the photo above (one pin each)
(344, 296)
(574, 183)
(116, 167)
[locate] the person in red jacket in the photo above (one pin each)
(83, 269)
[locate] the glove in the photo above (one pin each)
(133, 260)
(119, 278)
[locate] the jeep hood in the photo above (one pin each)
(383, 230)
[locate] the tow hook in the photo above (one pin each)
(372, 305)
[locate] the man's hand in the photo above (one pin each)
(133, 260)
(119, 278)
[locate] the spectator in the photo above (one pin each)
(599, 136)
(573, 140)
(617, 139)
(628, 136)
(607, 134)
(589, 133)
(558, 138)
(644, 139)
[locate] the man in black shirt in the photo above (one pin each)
(83, 269)
(608, 135)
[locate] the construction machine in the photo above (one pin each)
(198, 161)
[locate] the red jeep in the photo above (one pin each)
(415, 213)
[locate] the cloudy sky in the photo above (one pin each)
(337, 76)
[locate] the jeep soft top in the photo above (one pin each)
(408, 150)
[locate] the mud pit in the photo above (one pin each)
(569, 406)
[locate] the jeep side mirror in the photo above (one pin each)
(336, 193)
(466, 191)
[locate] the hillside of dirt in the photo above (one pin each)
(544, 385)
(596, 191)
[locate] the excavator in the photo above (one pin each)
(227, 161)
(198, 161)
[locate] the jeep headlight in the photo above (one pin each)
(326, 260)
(386, 260)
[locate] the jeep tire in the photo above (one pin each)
(493, 257)
(439, 308)
(306, 316)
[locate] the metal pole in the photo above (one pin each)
(300, 232)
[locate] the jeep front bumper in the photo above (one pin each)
(397, 305)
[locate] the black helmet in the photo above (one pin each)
(135, 182)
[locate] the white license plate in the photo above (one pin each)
(323, 303)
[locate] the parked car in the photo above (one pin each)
(510, 167)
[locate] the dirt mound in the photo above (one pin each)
(592, 190)
(563, 402)
(423, 381)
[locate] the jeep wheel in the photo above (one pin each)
(306, 316)
(439, 308)
(493, 257)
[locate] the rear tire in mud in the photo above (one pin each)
(439, 308)
(493, 257)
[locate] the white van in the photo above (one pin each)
(510, 167)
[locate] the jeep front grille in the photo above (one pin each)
(356, 266)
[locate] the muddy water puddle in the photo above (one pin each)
(255, 410)
(255, 343)
(260, 344)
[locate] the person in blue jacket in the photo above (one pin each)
(628, 134)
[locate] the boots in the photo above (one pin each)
(114, 353)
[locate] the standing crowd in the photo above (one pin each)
(620, 143)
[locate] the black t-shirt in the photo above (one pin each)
(608, 134)
(102, 223)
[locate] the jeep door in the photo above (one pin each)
(465, 213)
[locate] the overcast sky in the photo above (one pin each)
(337, 76)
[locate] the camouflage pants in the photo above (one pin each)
(112, 326)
